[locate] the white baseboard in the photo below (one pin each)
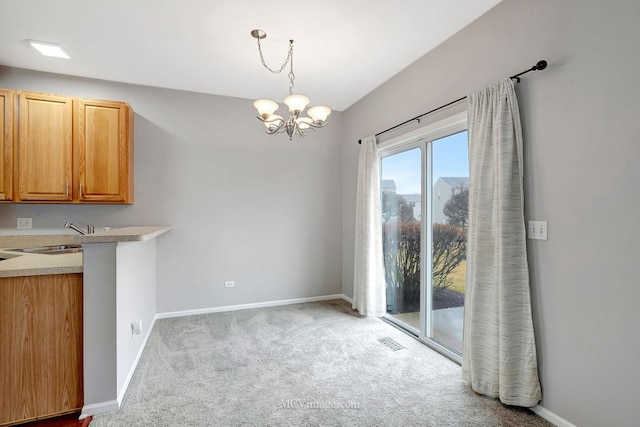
(127, 380)
(222, 309)
(551, 417)
(99, 408)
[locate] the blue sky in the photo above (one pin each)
(450, 158)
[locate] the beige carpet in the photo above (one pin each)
(316, 364)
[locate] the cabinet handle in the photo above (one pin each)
(67, 189)
(81, 191)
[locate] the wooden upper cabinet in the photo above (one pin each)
(6, 144)
(69, 150)
(45, 147)
(104, 152)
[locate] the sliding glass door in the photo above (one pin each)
(449, 181)
(401, 227)
(425, 189)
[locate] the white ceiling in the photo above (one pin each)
(343, 48)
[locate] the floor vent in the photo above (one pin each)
(391, 344)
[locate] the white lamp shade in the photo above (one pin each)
(303, 122)
(273, 120)
(265, 107)
(319, 113)
(296, 102)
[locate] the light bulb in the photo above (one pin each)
(265, 107)
(303, 122)
(319, 113)
(273, 121)
(296, 102)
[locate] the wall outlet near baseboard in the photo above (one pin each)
(229, 284)
(136, 327)
(23, 223)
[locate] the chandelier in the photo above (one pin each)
(296, 123)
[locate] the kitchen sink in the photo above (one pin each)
(51, 250)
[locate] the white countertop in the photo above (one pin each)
(138, 233)
(27, 264)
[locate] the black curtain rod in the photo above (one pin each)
(541, 65)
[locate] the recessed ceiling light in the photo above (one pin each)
(50, 49)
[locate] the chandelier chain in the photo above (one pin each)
(284, 64)
(292, 76)
(288, 60)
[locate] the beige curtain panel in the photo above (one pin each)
(368, 276)
(499, 350)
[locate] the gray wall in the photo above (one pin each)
(582, 156)
(244, 206)
(135, 287)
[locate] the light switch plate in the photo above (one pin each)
(537, 230)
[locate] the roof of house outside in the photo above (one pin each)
(388, 185)
(461, 181)
(412, 198)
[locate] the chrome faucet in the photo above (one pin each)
(90, 228)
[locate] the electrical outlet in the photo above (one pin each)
(136, 327)
(23, 223)
(229, 284)
(537, 230)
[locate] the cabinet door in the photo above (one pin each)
(104, 152)
(45, 144)
(41, 339)
(6, 144)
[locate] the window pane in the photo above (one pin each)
(401, 222)
(450, 202)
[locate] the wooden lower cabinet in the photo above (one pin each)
(40, 347)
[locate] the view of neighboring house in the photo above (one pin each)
(443, 189)
(388, 185)
(391, 200)
(414, 200)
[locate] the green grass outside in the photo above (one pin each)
(459, 278)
